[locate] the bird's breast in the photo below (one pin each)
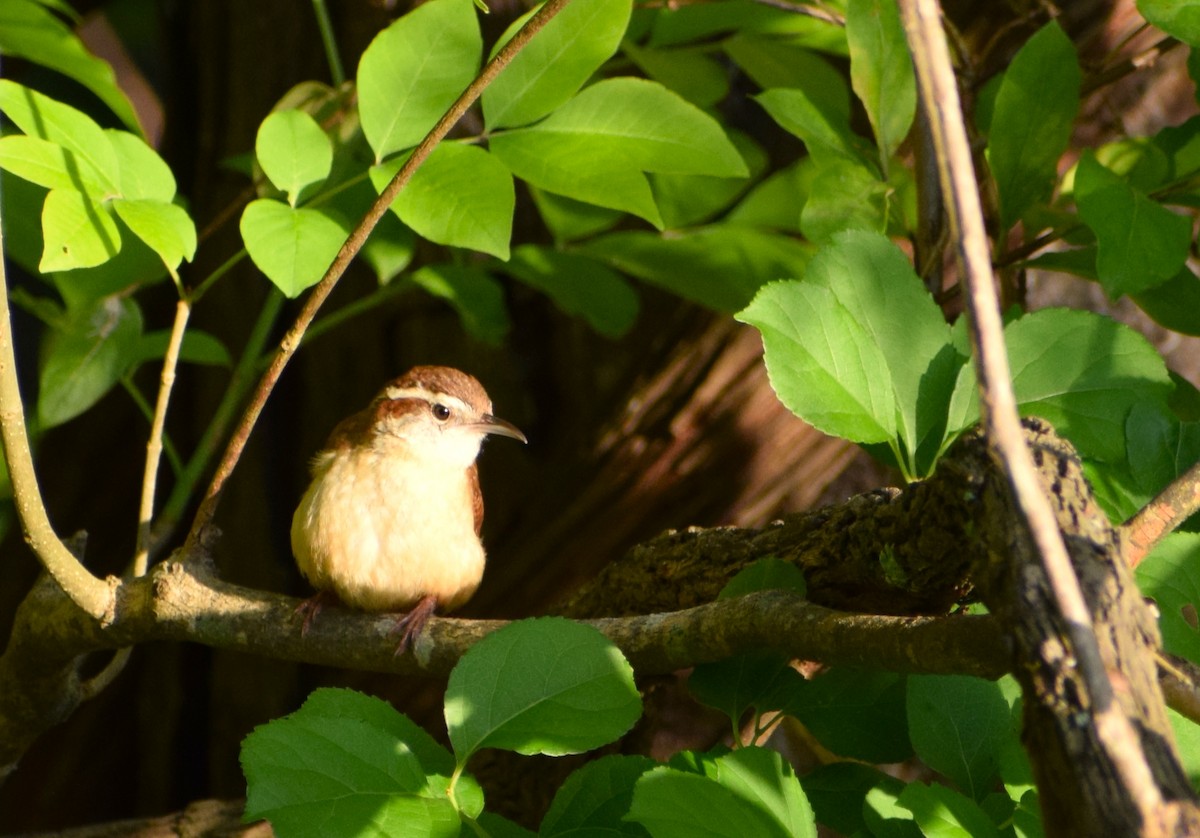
(382, 531)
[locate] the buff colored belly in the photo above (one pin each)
(386, 555)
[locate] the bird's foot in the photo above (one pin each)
(311, 607)
(412, 623)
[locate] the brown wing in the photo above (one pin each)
(476, 496)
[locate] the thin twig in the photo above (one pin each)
(922, 21)
(141, 559)
(234, 397)
(349, 250)
(805, 11)
(91, 594)
(1161, 516)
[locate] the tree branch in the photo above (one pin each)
(939, 92)
(1161, 516)
(91, 594)
(184, 602)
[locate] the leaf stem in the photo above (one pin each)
(336, 71)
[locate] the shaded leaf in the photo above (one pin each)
(1141, 244)
(1034, 109)
(881, 71)
(474, 294)
(28, 30)
(578, 285)
(958, 726)
(594, 799)
(85, 356)
(720, 266)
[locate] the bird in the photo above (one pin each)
(391, 521)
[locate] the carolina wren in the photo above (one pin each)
(392, 518)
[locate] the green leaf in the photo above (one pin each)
(165, 227)
(460, 196)
(474, 294)
(491, 825)
(875, 282)
(855, 713)
(773, 62)
(881, 71)
(761, 778)
(85, 356)
(48, 164)
(293, 151)
(583, 696)
(390, 248)
(1170, 575)
(1080, 371)
(686, 200)
(197, 348)
(568, 219)
(77, 232)
(143, 174)
(596, 146)
(845, 195)
(720, 266)
(594, 799)
(817, 119)
(556, 63)
(1180, 18)
(958, 726)
(691, 72)
(47, 119)
(885, 817)
(293, 247)
(1175, 304)
(822, 363)
(347, 763)
(767, 574)
(578, 285)
(1031, 124)
(134, 265)
(29, 31)
(671, 803)
(837, 792)
(1159, 447)
(696, 22)
(762, 679)
(414, 70)
(1142, 244)
(944, 813)
(776, 202)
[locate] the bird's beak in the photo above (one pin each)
(490, 424)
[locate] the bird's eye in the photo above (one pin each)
(440, 412)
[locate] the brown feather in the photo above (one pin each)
(476, 496)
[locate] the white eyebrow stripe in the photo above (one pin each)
(452, 402)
